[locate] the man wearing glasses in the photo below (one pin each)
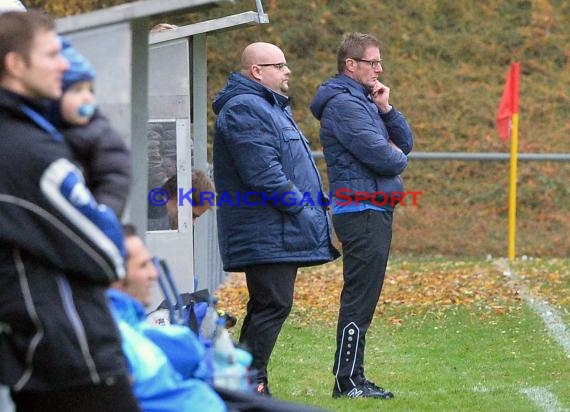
(365, 142)
(263, 169)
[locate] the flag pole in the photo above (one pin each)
(508, 120)
(513, 186)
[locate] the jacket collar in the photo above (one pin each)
(270, 95)
(352, 84)
(9, 98)
(127, 307)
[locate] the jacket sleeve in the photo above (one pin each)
(63, 186)
(357, 131)
(105, 159)
(180, 345)
(55, 218)
(399, 130)
(253, 141)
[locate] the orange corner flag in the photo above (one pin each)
(509, 102)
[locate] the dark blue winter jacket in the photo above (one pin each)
(269, 189)
(355, 138)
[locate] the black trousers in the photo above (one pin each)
(113, 395)
(366, 237)
(270, 288)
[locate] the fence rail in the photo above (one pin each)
(544, 157)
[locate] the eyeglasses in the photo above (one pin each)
(373, 63)
(278, 66)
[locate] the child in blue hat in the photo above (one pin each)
(96, 146)
(77, 105)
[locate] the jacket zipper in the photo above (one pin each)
(30, 308)
(71, 311)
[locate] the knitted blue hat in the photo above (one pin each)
(80, 69)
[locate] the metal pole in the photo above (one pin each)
(541, 157)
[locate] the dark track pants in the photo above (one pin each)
(271, 288)
(366, 237)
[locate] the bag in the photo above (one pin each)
(187, 309)
(194, 307)
(224, 365)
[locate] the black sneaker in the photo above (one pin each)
(364, 389)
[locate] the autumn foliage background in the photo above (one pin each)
(445, 62)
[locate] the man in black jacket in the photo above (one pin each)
(59, 250)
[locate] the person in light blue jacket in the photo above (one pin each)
(365, 142)
(163, 360)
(272, 214)
(168, 363)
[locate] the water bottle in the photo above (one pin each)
(223, 346)
(227, 372)
(208, 327)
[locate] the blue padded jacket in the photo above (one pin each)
(355, 138)
(262, 157)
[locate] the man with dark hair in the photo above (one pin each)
(59, 249)
(365, 142)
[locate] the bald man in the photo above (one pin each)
(272, 216)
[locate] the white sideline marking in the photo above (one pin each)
(549, 315)
(544, 399)
(480, 389)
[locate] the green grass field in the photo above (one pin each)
(447, 336)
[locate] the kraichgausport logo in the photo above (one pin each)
(342, 197)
